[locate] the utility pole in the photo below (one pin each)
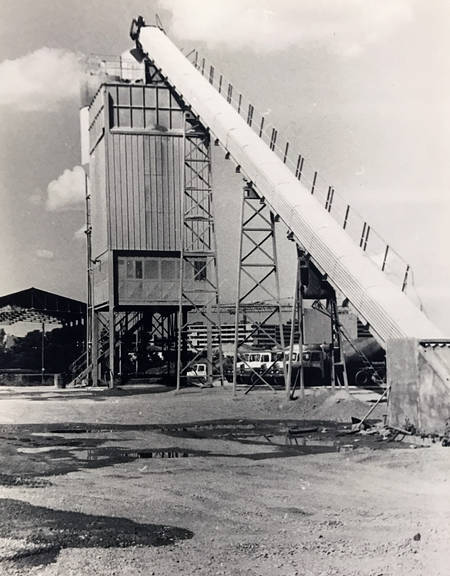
(42, 353)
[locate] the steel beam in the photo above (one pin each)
(257, 279)
(199, 282)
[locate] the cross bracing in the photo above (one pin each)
(349, 269)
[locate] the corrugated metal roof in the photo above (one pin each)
(34, 305)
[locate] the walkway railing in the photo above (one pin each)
(356, 226)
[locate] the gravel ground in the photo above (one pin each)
(143, 481)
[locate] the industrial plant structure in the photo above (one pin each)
(148, 123)
(151, 231)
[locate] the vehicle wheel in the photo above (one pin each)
(362, 378)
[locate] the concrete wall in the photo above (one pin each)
(420, 385)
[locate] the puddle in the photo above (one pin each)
(65, 459)
(161, 453)
(290, 441)
(124, 455)
(40, 449)
(15, 480)
(44, 450)
(69, 431)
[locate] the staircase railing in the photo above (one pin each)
(78, 369)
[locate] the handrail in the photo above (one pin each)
(380, 252)
(79, 366)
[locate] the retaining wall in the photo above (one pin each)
(419, 377)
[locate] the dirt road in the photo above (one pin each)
(142, 481)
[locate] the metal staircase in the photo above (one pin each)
(80, 371)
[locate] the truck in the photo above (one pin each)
(256, 360)
(269, 363)
(198, 375)
(315, 361)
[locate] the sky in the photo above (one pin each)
(360, 88)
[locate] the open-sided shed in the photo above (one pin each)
(34, 305)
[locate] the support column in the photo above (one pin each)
(301, 330)
(237, 317)
(120, 359)
(164, 334)
(258, 290)
(338, 366)
(199, 287)
(297, 317)
(94, 358)
(112, 345)
(43, 353)
(291, 338)
(136, 350)
(209, 346)
(89, 282)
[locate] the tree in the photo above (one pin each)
(61, 347)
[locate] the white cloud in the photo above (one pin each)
(80, 234)
(343, 26)
(39, 80)
(67, 191)
(44, 254)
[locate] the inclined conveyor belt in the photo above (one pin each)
(377, 300)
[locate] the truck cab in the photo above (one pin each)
(198, 374)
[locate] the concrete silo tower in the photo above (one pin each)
(151, 240)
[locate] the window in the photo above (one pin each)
(137, 95)
(150, 118)
(138, 269)
(199, 270)
(169, 270)
(123, 96)
(177, 120)
(163, 97)
(151, 270)
(135, 106)
(124, 117)
(150, 97)
(130, 269)
(137, 118)
(163, 119)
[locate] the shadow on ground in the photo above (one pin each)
(47, 531)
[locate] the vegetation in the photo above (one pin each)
(61, 347)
